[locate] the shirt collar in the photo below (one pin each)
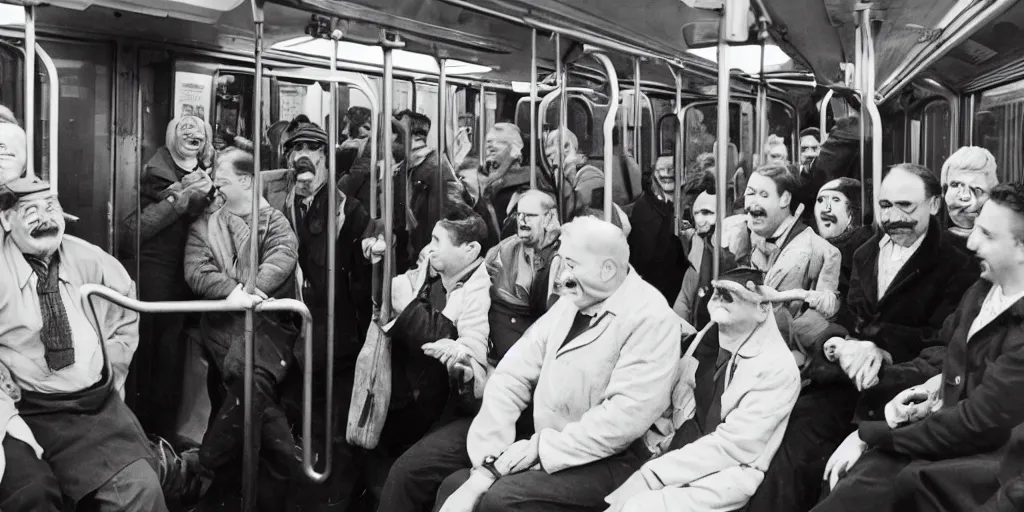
(886, 240)
(451, 283)
(22, 271)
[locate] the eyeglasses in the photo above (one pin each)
(523, 216)
(307, 146)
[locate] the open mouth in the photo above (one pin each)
(193, 142)
(757, 213)
(44, 231)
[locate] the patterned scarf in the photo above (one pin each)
(56, 333)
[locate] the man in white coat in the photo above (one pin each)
(739, 400)
(598, 369)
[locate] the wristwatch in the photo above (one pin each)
(488, 464)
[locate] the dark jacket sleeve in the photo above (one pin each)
(156, 212)
(977, 424)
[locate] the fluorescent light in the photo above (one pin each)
(12, 16)
(374, 56)
(746, 58)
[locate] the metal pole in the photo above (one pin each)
(722, 149)
(858, 70)
(677, 154)
(442, 126)
(609, 127)
(533, 110)
(637, 117)
(332, 248)
(249, 451)
(30, 89)
(762, 115)
(558, 175)
(389, 184)
(823, 114)
(868, 100)
(482, 128)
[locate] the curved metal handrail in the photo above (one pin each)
(609, 125)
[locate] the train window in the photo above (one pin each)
(84, 72)
(935, 134)
(998, 127)
(701, 128)
(667, 134)
(782, 123)
(894, 142)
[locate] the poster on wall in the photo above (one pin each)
(192, 94)
(292, 98)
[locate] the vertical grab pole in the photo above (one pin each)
(558, 175)
(762, 114)
(637, 114)
(482, 128)
(609, 127)
(858, 73)
(442, 126)
(388, 85)
(533, 110)
(677, 153)
(249, 451)
(54, 81)
(332, 248)
(30, 89)
(868, 100)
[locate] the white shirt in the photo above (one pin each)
(891, 258)
(994, 305)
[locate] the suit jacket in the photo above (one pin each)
(906, 319)
(593, 396)
(982, 382)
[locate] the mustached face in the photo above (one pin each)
(904, 210)
(498, 150)
(583, 276)
(191, 136)
(665, 176)
(704, 208)
(310, 165)
(36, 224)
(832, 213)
(966, 193)
(531, 222)
(13, 153)
(766, 208)
(809, 149)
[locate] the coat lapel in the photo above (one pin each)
(597, 328)
(922, 260)
(867, 268)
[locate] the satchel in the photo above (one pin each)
(371, 390)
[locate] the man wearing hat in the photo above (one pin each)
(70, 364)
(968, 175)
(306, 207)
(738, 383)
(905, 281)
(837, 213)
(598, 369)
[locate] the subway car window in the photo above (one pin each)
(935, 131)
(999, 128)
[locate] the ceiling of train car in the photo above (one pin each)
(820, 34)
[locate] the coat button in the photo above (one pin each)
(956, 381)
(513, 320)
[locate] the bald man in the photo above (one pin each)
(598, 370)
(656, 252)
(968, 175)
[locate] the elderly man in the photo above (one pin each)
(175, 190)
(654, 249)
(505, 178)
(740, 394)
(71, 367)
(583, 183)
(906, 280)
(795, 259)
(967, 177)
(937, 445)
(597, 368)
(520, 269)
(775, 151)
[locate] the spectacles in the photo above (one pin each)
(307, 146)
(523, 216)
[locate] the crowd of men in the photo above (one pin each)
(541, 358)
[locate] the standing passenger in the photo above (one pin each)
(968, 176)
(175, 190)
(655, 251)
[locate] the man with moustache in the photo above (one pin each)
(905, 281)
(738, 385)
(838, 217)
(937, 444)
(175, 189)
(655, 251)
(967, 177)
(520, 272)
(810, 145)
(795, 259)
(598, 369)
(71, 365)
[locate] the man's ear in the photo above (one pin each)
(785, 199)
(5, 220)
(474, 248)
(934, 204)
(608, 270)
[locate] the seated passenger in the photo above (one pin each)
(519, 269)
(739, 400)
(775, 151)
(937, 444)
(441, 326)
(906, 280)
(72, 370)
(217, 267)
(505, 178)
(655, 251)
(598, 370)
(968, 176)
(583, 183)
(698, 242)
(795, 259)
(837, 213)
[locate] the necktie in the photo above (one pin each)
(715, 410)
(58, 342)
(580, 324)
